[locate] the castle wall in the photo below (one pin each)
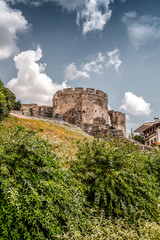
(45, 111)
(37, 111)
(118, 121)
(28, 108)
(81, 106)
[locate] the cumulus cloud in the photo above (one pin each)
(114, 59)
(95, 66)
(141, 30)
(72, 73)
(11, 23)
(135, 105)
(91, 14)
(32, 84)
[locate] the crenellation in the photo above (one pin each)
(79, 90)
(67, 90)
(58, 93)
(100, 93)
(90, 90)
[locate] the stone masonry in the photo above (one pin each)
(88, 109)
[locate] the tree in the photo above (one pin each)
(2, 105)
(7, 101)
(17, 106)
(31, 111)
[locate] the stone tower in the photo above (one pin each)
(84, 108)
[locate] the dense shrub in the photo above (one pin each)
(118, 178)
(156, 165)
(7, 101)
(39, 199)
(17, 106)
(139, 139)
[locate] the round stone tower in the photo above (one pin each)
(81, 107)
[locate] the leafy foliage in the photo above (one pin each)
(2, 105)
(7, 101)
(39, 199)
(118, 178)
(31, 112)
(48, 197)
(17, 106)
(139, 139)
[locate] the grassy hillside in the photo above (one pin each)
(53, 187)
(62, 135)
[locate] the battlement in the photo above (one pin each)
(79, 90)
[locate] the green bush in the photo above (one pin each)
(7, 101)
(39, 199)
(118, 178)
(17, 106)
(139, 139)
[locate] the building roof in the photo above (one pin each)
(144, 126)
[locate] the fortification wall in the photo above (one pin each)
(81, 106)
(35, 110)
(30, 109)
(118, 121)
(45, 111)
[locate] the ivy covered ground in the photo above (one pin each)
(59, 183)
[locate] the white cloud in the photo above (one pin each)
(32, 84)
(11, 23)
(95, 66)
(92, 16)
(69, 5)
(135, 105)
(72, 73)
(114, 59)
(141, 30)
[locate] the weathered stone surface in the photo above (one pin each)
(27, 109)
(87, 109)
(81, 107)
(37, 111)
(45, 111)
(118, 121)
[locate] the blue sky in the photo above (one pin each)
(111, 45)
